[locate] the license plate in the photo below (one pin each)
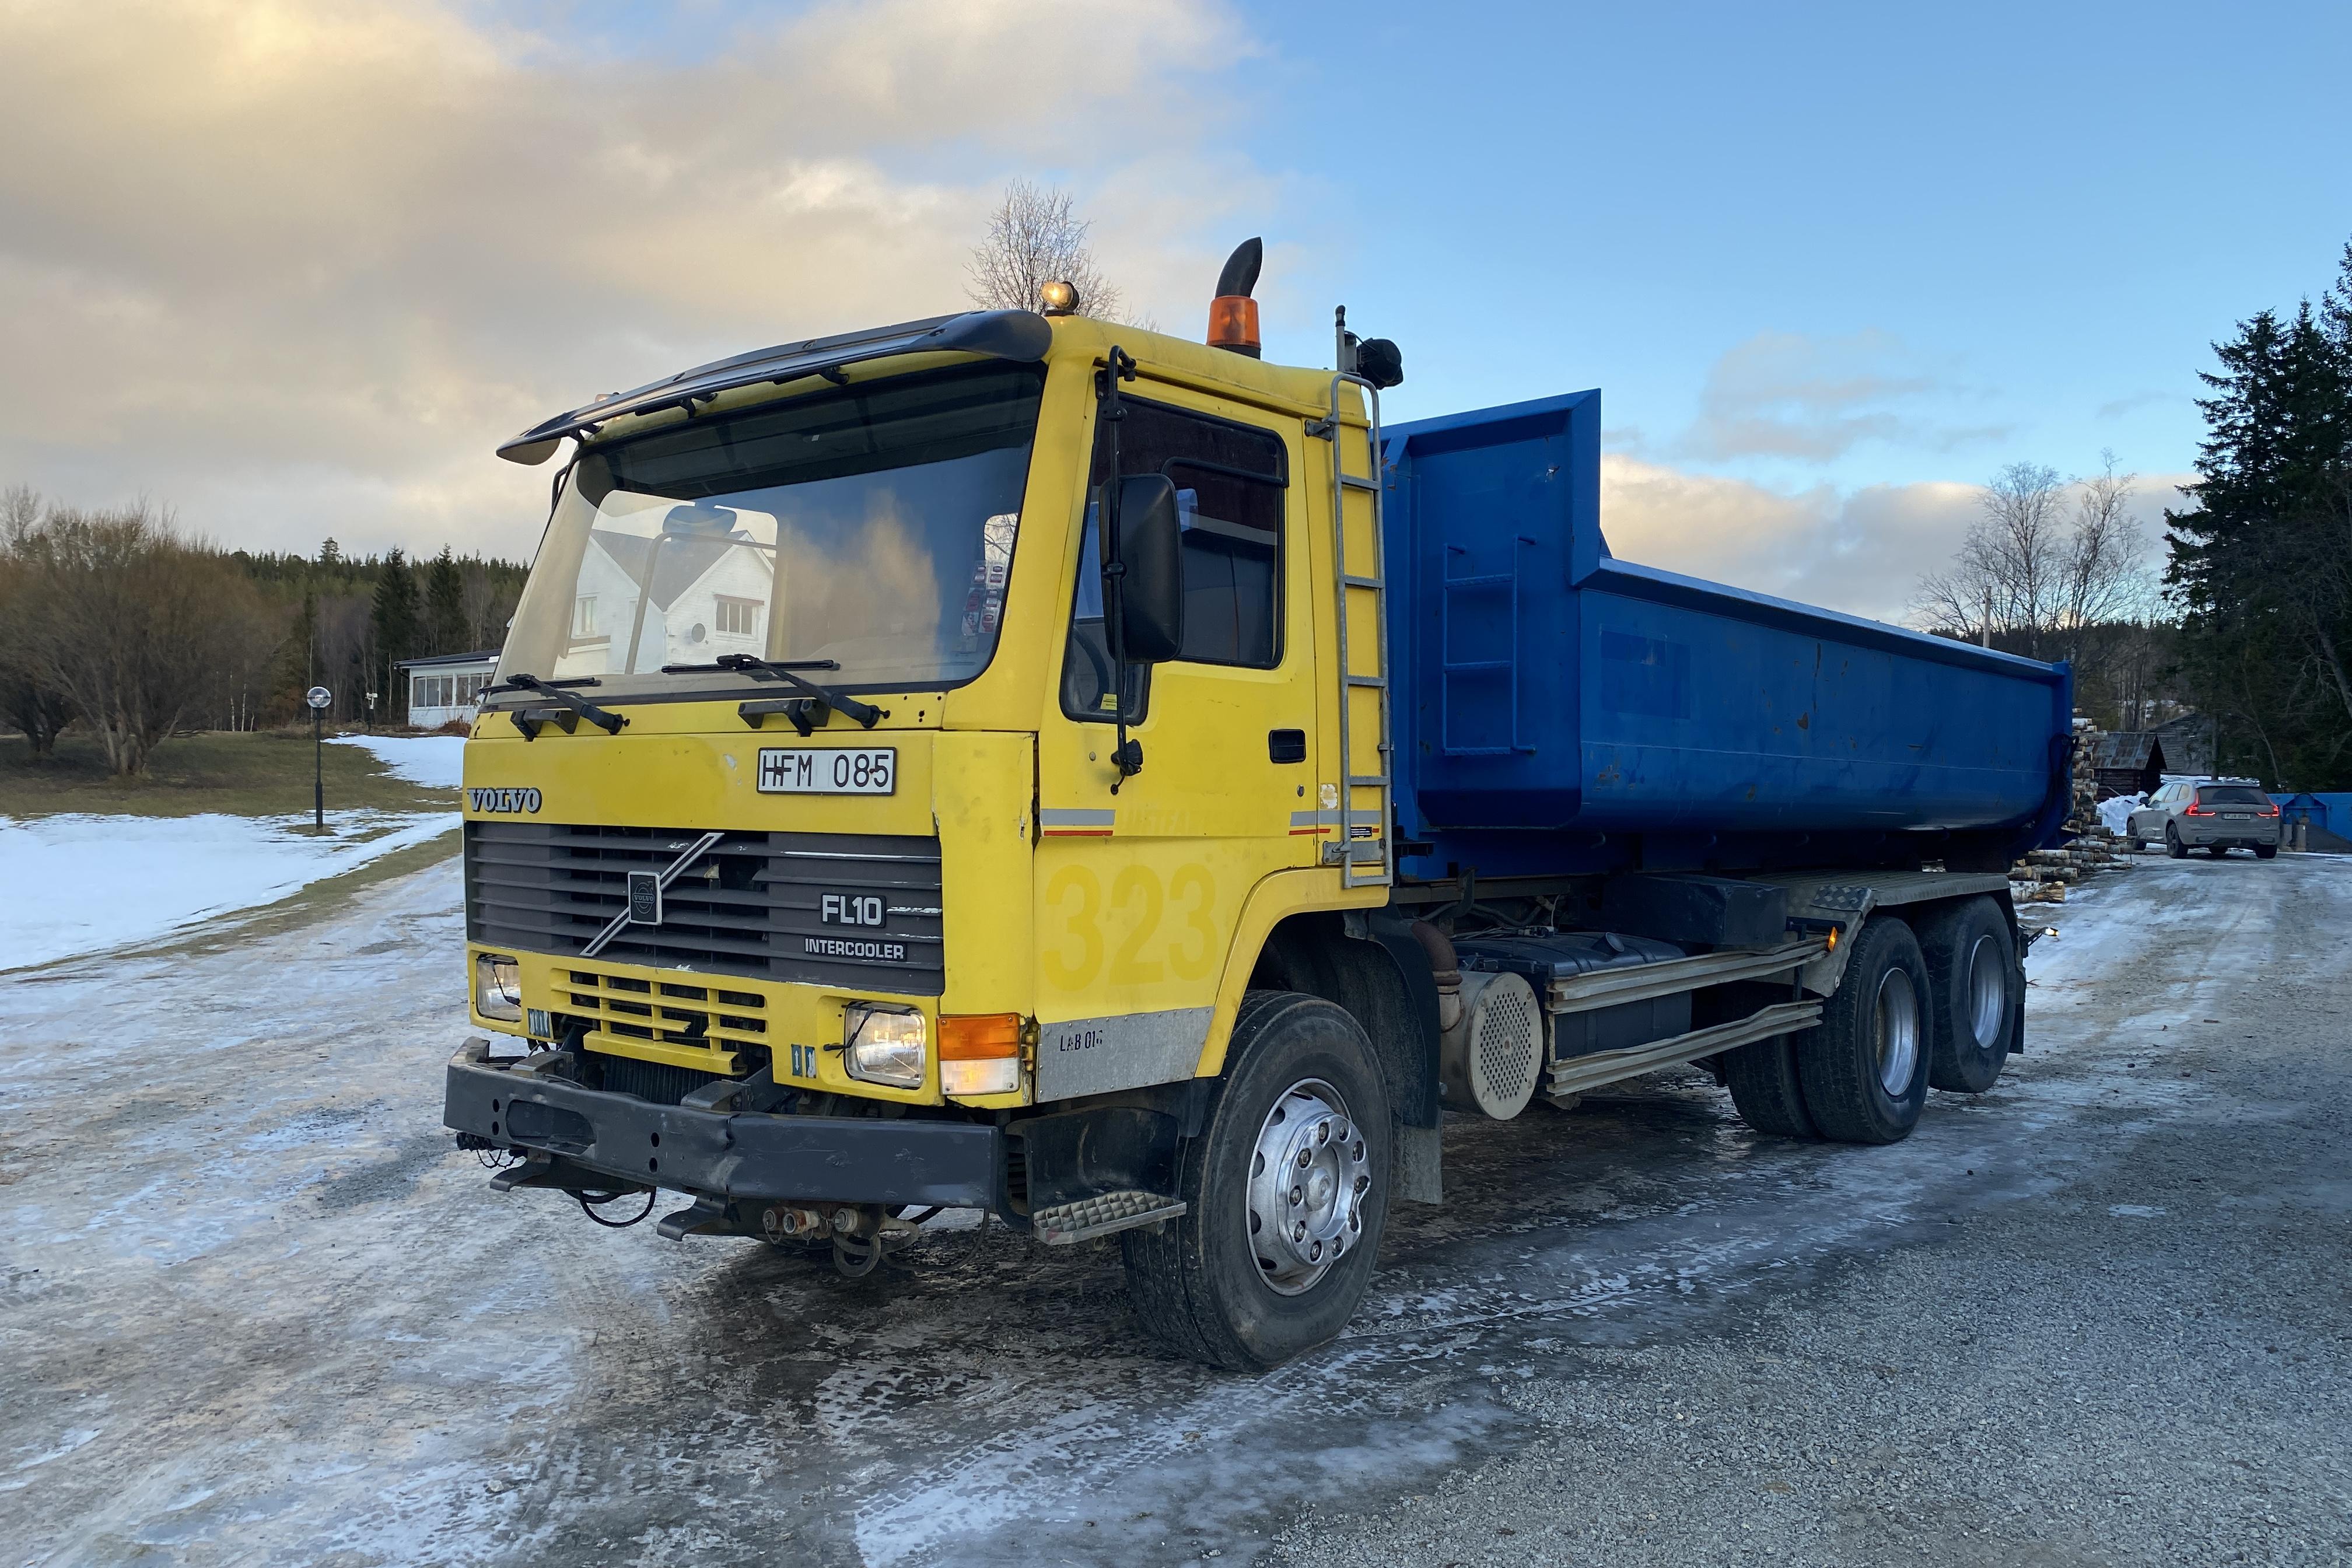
(2236, 817)
(794, 770)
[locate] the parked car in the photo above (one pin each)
(2208, 814)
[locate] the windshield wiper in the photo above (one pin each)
(528, 720)
(786, 671)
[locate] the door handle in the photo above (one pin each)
(1286, 745)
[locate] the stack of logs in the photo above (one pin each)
(2043, 876)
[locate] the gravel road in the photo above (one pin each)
(257, 1310)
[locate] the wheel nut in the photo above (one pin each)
(1299, 1232)
(1315, 1253)
(1355, 1220)
(1297, 1197)
(1363, 1185)
(1306, 1158)
(1323, 1132)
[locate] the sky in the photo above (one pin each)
(293, 268)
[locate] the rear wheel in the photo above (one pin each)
(1762, 1077)
(2172, 845)
(1288, 1187)
(1865, 1066)
(1971, 964)
(2265, 851)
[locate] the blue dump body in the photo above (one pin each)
(1557, 711)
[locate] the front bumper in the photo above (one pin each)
(723, 1154)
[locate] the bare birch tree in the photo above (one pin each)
(2101, 578)
(132, 624)
(1033, 240)
(2036, 573)
(29, 702)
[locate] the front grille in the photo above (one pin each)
(622, 1008)
(656, 1083)
(752, 905)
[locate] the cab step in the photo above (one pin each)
(1102, 1215)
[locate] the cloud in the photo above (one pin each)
(2137, 401)
(297, 268)
(1858, 550)
(1789, 395)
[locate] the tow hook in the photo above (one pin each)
(859, 1232)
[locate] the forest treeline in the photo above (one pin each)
(119, 622)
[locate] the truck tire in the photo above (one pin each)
(1762, 1077)
(1971, 969)
(1259, 1269)
(1865, 1066)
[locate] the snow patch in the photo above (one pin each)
(2114, 815)
(433, 761)
(82, 884)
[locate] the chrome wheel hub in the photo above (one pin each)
(1898, 1033)
(1987, 991)
(1309, 1175)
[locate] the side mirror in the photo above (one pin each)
(1146, 581)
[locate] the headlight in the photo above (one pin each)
(883, 1044)
(498, 987)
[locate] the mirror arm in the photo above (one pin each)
(1126, 757)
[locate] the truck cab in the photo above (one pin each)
(954, 767)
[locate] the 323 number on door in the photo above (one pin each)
(1143, 930)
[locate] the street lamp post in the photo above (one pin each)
(318, 697)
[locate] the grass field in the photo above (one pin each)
(262, 774)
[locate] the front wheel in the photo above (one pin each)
(1286, 1189)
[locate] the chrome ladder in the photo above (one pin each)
(1367, 861)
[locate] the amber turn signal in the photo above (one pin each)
(979, 1036)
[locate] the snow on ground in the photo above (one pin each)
(82, 884)
(433, 760)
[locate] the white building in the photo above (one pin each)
(447, 688)
(709, 596)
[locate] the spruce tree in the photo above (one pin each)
(397, 631)
(2261, 565)
(445, 605)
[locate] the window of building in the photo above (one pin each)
(583, 617)
(736, 617)
(1230, 480)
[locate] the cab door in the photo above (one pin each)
(1139, 891)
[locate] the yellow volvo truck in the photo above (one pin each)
(1014, 762)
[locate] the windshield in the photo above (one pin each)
(873, 526)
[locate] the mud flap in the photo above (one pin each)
(1419, 1164)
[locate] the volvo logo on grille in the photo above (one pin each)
(645, 895)
(502, 800)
